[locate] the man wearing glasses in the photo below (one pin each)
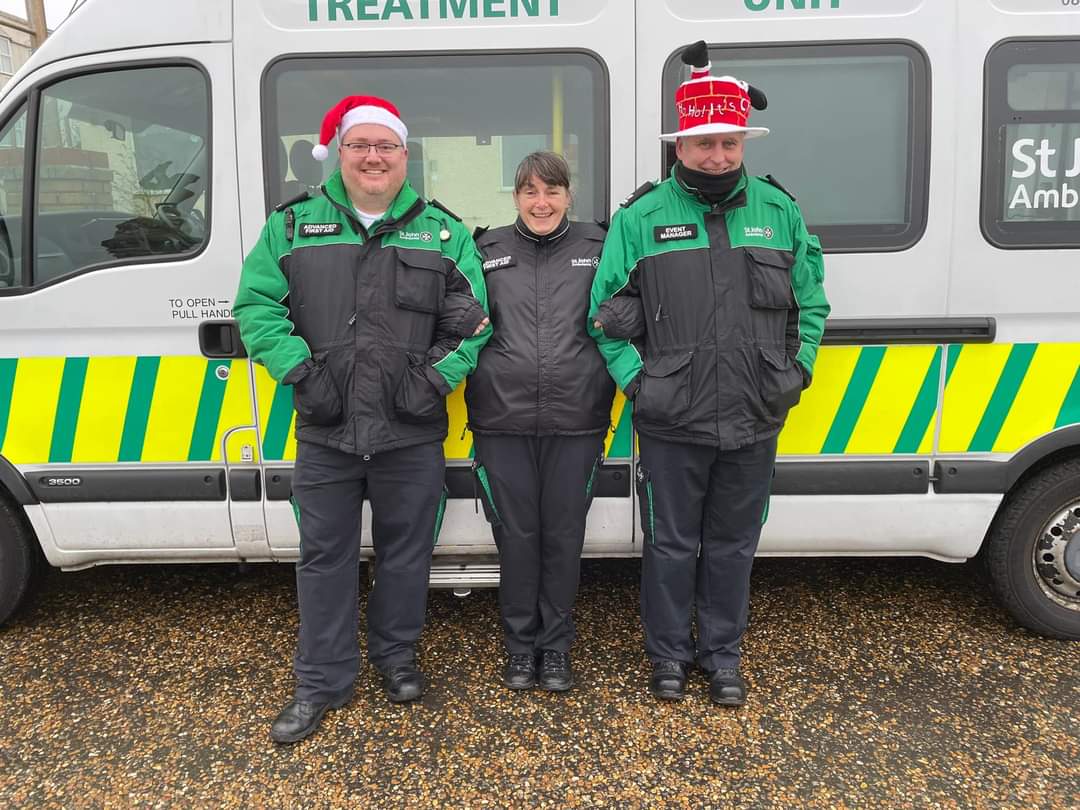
(370, 302)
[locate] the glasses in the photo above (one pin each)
(361, 148)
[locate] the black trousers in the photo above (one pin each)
(405, 489)
(539, 489)
(702, 511)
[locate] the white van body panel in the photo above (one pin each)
(950, 269)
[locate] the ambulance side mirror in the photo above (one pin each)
(219, 339)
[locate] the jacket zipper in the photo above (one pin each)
(539, 358)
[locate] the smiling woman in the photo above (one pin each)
(539, 406)
(542, 191)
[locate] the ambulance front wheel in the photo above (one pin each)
(18, 558)
(1033, 552)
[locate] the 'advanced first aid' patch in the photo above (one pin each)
(320, 229)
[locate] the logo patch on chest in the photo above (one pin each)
(593, 262)
(320, 229)
(757, 232)
(674, 233)
(409, 236)
(499, 262)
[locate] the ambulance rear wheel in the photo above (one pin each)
(1033, 552)
(18, 559)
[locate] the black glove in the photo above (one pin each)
(315, 395)
(420, 394)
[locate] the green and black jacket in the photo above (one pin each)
(733, 308)
(352, 317)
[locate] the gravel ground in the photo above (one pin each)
(874, 683)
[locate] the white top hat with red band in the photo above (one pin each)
(709, 105)
(353, 110)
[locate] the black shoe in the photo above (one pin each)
(727, 687)
(520, 672)
(301, 717)
(668, 681)
(403, 682)
(555, 672)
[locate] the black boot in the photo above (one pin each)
(555, 672)
(403, 682)
(301, 718)
(727, 687)
(520, 672)
(668, 681)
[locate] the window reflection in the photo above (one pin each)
(469, 118)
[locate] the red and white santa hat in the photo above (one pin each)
(709, 105)
(353, 110)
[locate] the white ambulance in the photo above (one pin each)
(933, 144)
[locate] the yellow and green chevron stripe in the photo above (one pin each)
(279, 443)
(870, 400)
(100, 410)
(883, 400)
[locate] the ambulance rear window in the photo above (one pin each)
(471, 118)
(849, 134)
(1031, 153)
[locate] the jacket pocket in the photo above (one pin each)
(419, 281)
(770, 278)
(664, 392)
(781, 381)
(482, 491)
(417, 399)
(316, 397)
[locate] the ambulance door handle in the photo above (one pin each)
(219, 339)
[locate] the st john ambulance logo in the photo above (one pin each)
(409, 236)
(593, 262)
(757, 232)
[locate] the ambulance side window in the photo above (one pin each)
(1031, 159)
(471, 119)
(849, 135)
(122, 169)
(12, 163)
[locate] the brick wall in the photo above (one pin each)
(69, 180)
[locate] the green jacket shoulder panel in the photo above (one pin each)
(638, 193)
(289, 203)
(436, 204)
(766, 192)
(772, 181)
(657, 198)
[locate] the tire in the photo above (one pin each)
(1032, 550)
(18, 559)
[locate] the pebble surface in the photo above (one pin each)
(874, 683)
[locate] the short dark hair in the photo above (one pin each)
(548, 166)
